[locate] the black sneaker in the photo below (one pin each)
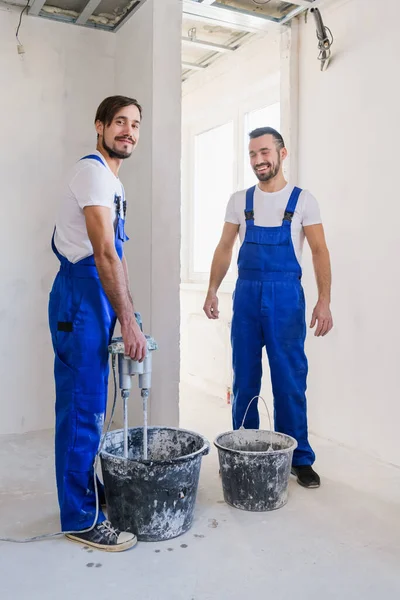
(105, 537)
(306, 476)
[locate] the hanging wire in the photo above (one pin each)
(324, 46)
(20, 21)
(325, 39)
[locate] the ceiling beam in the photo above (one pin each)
(238, 20)
(229, 19)
(195, 43)
(193, 66)
(306, 3)
(294, 13)
(208, 20)
(87, 12)
(36, 7)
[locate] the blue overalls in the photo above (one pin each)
(269, 310)
(81, 322)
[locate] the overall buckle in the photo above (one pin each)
(117, 202)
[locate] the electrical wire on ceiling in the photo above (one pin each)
(20, 46)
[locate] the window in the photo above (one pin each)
(213, 184)
(219, 165)
(268, 116)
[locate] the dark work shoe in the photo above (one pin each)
(105, 537)
(306, 476)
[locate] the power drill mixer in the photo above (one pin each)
(127, 368)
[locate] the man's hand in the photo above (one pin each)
(323, 316)
(211, 306)
(219, 268)
(134, 341)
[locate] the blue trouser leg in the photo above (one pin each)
(247, 343)
(284, 327)
(271, 313)
(81, 378)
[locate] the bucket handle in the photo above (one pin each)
(247, 410)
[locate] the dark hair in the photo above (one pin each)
(268, 131)
(111, 105)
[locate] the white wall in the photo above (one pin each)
(348, 156)
(148, 67)
(246, 80)
(47, 103)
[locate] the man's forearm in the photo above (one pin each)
(126, 275)
(112, 277)
(219, 268)
(322, 268)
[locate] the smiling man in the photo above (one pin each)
(272, 220)
(90, 292)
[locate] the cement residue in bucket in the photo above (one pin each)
(254, 476)
(164, 444)
(154, 498)
(257, 441)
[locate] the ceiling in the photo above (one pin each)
(108, 15)
(210, 28)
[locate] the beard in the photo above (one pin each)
(273, 170)
(113, 153)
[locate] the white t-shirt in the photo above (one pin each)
(269, 209)
(89, 183)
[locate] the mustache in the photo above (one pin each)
(127, 138)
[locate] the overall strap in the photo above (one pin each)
(117, 199)
(54, 248)
(123, 200)
(249, 210)
(94, 157)
(65, 264)
(291, 206)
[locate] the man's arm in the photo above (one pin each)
(219, 268)
(126, 275)
(112, 277)
(322, 267)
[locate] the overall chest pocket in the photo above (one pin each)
(263, 248)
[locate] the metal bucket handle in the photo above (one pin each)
(247, 410)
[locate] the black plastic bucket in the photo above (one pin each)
(255, 468)
(155, 498)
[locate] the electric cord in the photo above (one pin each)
(95, 464)
(20, 21)
(324, 36)
(325, 45)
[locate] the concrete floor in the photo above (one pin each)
(339, 542)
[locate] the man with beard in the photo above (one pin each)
(91, 291)
(272, 220)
